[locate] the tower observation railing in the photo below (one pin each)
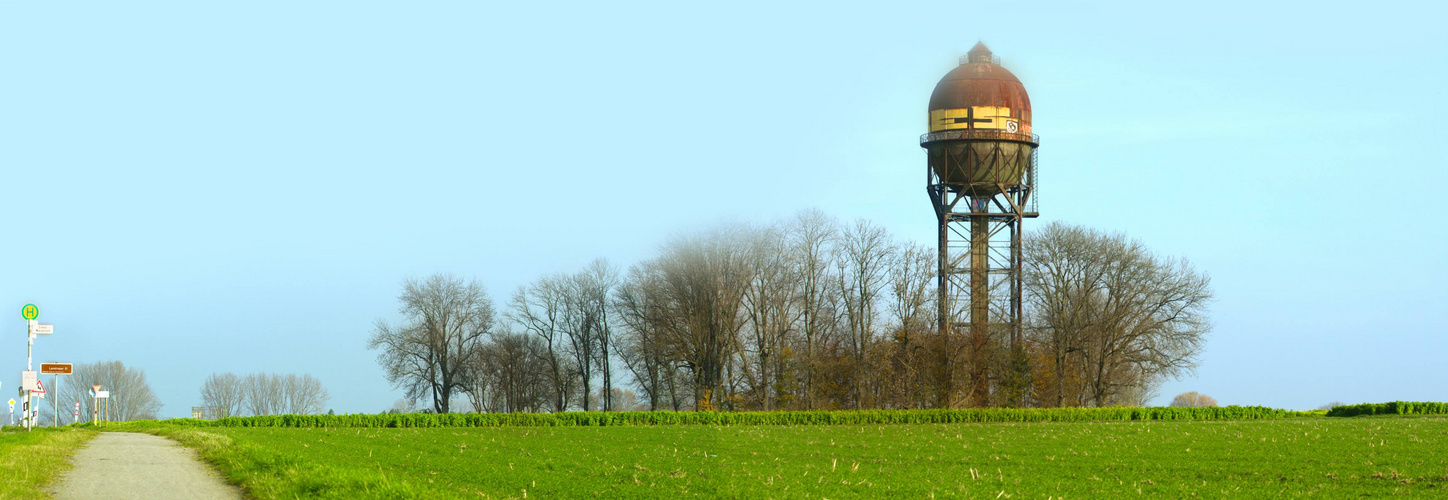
(978, 135)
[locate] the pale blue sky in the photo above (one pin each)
(192, 187)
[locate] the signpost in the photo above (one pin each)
(30, 312)
(31, 383)
(12, 411)
(75, 415)
(106, 395)
(56, 370)
(96, 401)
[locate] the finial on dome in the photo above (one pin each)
(978, 54)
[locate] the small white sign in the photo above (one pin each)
(39, 329)
(28, 380)
(103, 394)
(12, 404)
(77, 405)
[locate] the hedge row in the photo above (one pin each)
(857, 417)
(1393, 408)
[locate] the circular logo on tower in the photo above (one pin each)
(1013, 126)
(30, 311)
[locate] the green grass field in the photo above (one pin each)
(29, 461)
(1326, 457)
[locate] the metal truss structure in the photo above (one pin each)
(980, 296)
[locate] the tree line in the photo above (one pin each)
(131, 397)
(807, 313)
(229, 395)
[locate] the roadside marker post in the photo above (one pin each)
(56, 370)
(12, 411)
(30, 312)
(106, 414)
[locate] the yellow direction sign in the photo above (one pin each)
(30, 311)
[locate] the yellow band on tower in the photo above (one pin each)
(976, 118)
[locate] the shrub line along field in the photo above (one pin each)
(1393, 408)
(1060, 453)
(847, 417)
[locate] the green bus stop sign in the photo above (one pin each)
(30, 311)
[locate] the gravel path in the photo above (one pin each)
(128, 465)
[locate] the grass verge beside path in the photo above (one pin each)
(1333, 458)
(29, 461)
(269, 470)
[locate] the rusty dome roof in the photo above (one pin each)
(979, 81)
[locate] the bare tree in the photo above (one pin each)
(638, 301)
(771, 312)
(577, 327)
(912, 297)
(865, 253)
(539, 309)
(1062, 268)
(225, 393)
(429, 355)
(131, 397)
(1193, 400)
(513, 375)
(1110, 309)
(264, 393)
(600, 279)
(811, 240)
(702, 281)
(304, 394)
(588, 329)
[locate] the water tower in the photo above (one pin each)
(981, 179)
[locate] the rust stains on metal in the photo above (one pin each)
(977, 86)
(979, 137)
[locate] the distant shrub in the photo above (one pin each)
(1393, 408)
(1332, 405)
(855, 417)
(1193, 400)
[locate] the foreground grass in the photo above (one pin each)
(29, 461)
(1292, 457)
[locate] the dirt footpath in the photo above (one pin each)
(127, 465)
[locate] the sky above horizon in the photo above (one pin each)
(199, 187)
